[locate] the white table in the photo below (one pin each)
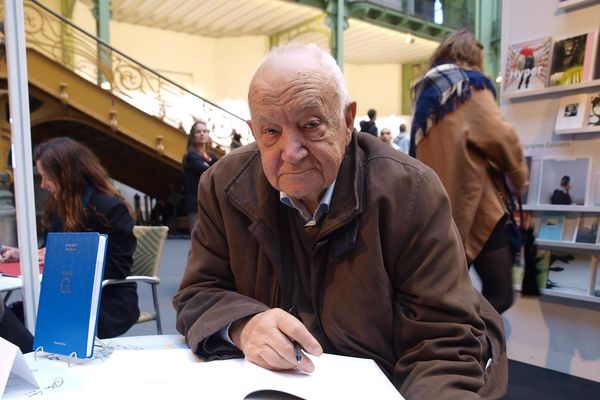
(59, 380)
(9, 283)
(162, 367)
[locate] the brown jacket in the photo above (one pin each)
(459, 148)
(395, 286)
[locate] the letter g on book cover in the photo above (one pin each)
(70, 293)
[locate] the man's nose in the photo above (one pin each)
(293, 148)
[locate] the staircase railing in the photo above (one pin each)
(89, 57)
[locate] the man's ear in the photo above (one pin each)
(249, 122)
(349, 114)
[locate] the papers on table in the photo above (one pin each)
(172, 373)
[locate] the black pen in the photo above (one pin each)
(297, 347)
(298, 351)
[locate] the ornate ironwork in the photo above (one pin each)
(89, 57)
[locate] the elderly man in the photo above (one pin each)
(328, 239)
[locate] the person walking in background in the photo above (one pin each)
(458, 130)
(386, 137)
(236, 139)
(402, 141)
(369, 126)
(196, 160)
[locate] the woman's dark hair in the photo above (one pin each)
(461, 48)
(72, 166)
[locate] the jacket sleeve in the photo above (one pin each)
(494, 137)
(440, 337)
(207, 300)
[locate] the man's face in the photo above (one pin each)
(386, 135)
(298, 126)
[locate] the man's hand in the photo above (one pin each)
(267, 339)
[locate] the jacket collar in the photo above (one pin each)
(251, 193)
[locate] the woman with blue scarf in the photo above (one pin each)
(458, 130)
(81, 197)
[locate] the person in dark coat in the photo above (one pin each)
(14, 331)
(82, 198)
(318, 237)
(369, 126)
(196, 160)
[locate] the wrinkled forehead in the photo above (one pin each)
(291, 78)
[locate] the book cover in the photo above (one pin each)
(587, 229)
(572, 112)
(570, 226)
(567, 60)
(590, 57)
(527, 65)
(551, 227)
(70, 293)
(593, 107)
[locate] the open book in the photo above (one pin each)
(178, 373)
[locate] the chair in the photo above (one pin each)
(146, 264)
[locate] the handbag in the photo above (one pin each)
(520, 238)
(513, 229)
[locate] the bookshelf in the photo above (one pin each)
(553, 90)
(541, 329)
(572, 4)
(595, 129)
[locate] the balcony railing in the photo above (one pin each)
(453, 17)
(92, 59)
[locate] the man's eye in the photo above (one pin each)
(270, 131)
(311, 125)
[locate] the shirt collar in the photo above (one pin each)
(322, 209)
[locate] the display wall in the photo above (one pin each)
(560, 329)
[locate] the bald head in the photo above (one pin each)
(301, 62)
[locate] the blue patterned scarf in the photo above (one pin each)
(443, 89)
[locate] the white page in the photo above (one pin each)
(172, 373)
(13, 367)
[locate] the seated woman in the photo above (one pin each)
(81, 198)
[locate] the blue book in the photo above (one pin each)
(70, 293)
(552, 225)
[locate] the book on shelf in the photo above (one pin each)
(593, 107)
(587, 229)
(527, 65)
(551, 226)
(70, 293)
(570, 226)
(572, 112)
(573, 59)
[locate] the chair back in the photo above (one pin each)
(150, 244)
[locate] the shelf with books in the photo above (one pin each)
(582, 248)
(569, 4)
(575, 131)
(572, 295)
(561, 208)
(547, 91)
